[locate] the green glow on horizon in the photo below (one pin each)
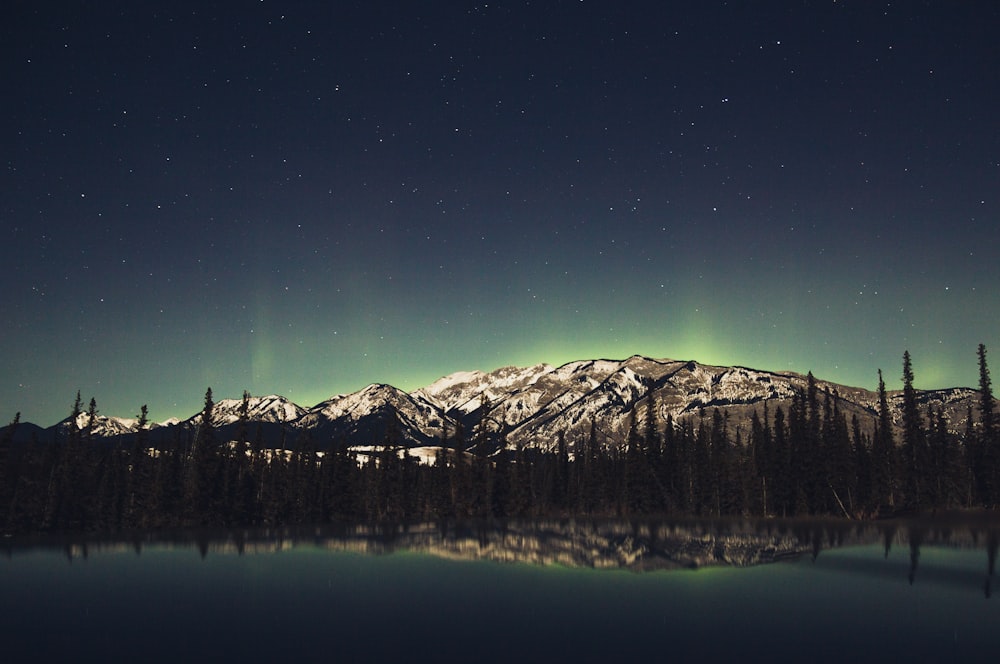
(410, 343)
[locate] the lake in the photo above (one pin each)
(545, 591)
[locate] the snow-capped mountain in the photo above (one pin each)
(104, 426)
(374, 414)
(272, 408)
(610, 393)
(531, 407)
(464, 392)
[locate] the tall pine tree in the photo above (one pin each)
(986, 461)
(884, 452)
(914, 450)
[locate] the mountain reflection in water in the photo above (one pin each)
(639, 546)
(843, 591)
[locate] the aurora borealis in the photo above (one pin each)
(302, 198)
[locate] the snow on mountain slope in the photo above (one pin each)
(106, 426)
(463, 392)
(953, 401)
(694, 385)
(271, 408)
(543, 402)
(570, 398)
(368, 414)
(610, 394)
(533, 406)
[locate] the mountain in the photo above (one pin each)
(373, 414)
(531, 407)
(103, 426)
(461, 394)
(534, 406)
(273, 409)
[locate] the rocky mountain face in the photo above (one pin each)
(104, 427)
(531, 407)
(273, 409)
(374, 414)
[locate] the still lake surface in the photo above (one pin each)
(550, 591)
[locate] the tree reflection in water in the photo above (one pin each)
(600, 544)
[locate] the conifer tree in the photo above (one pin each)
(758, 450)
(139, 480)
(986, 462)
(782, 476)
(946, 472)
(914, 441)
(240, 479)
(592, 486)
(654, 491)
(482, 477)
(884, 451)
(64, 500)
(88, 429)
(863, 464)
(74, 416)
(560, 484)
(501, 494)
(841, 469)
(701, 469)
(812, 458)
(798, 444)
(8, 474)
(201, 469)
(720, 465)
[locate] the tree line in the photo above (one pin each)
(807, 459)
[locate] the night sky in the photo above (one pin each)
(302, 198)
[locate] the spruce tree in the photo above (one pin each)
(88, 429)
(199, 478)
(139, 479)
(813, 459)
(798, 437)
(986, 463)
(884, 452)
(75, 415)
(914, 441)
(761, 449)
(783, 482)
(863, 465)
(63, 498)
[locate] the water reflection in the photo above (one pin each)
(639, 546)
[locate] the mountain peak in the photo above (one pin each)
(271, 408)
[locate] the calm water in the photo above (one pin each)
(445, 598)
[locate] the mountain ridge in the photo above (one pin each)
(530, 407)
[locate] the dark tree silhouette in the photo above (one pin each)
(914, 449)
(201, 470)
(884, 452)
(986, 460)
